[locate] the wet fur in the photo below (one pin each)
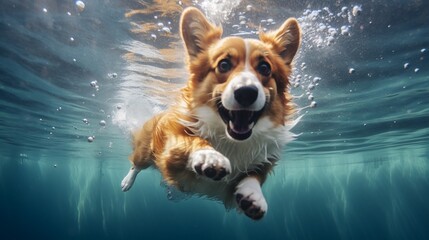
(169, 139)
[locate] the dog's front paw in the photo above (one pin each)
(210, 163)
(250, 199)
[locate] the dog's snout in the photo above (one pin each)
(246, 95)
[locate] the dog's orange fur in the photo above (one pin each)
(166, 142)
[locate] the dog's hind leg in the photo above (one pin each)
(142, 156)
(129, 179)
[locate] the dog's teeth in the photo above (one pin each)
(231, 125)
(251, 125)
(230, 114)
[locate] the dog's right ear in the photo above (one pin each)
(197, 32)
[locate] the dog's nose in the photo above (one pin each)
(246, 95)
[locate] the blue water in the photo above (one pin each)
(358, 170)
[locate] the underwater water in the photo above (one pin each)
(74, 81)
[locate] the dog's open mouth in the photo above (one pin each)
(239, 123)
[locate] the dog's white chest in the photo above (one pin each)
(264, 146)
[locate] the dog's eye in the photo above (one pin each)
(224, 65)
(264, 69)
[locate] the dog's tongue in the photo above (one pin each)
(240, 121)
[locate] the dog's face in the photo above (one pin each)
(241, 80)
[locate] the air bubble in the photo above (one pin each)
(423, 50)
(416, 69)
(91, 138)
(322, 27)
(80, 6)
(326, 9)
(406, 65)
(352, 70)
(102, 123)
(169, 195)
(313, 104)
(318, 42)
(45, 10)
(112, 75)
(93, 83)
(85, 121)
(249, 8)
(344, 30)
(153, 36)
(330, 40)
(316, 79)
(350, 17)
(72, 39)
(166, 29)
(313, 15)
(332, 31)
(356, 10)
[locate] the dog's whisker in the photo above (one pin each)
(214, 99)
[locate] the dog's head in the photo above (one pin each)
(241, 80)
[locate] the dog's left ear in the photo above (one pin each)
(285, 40)
(197, 32)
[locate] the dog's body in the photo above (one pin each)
(227, 129)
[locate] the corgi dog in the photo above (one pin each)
(226, 131)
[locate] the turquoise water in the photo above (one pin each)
(358, 170)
